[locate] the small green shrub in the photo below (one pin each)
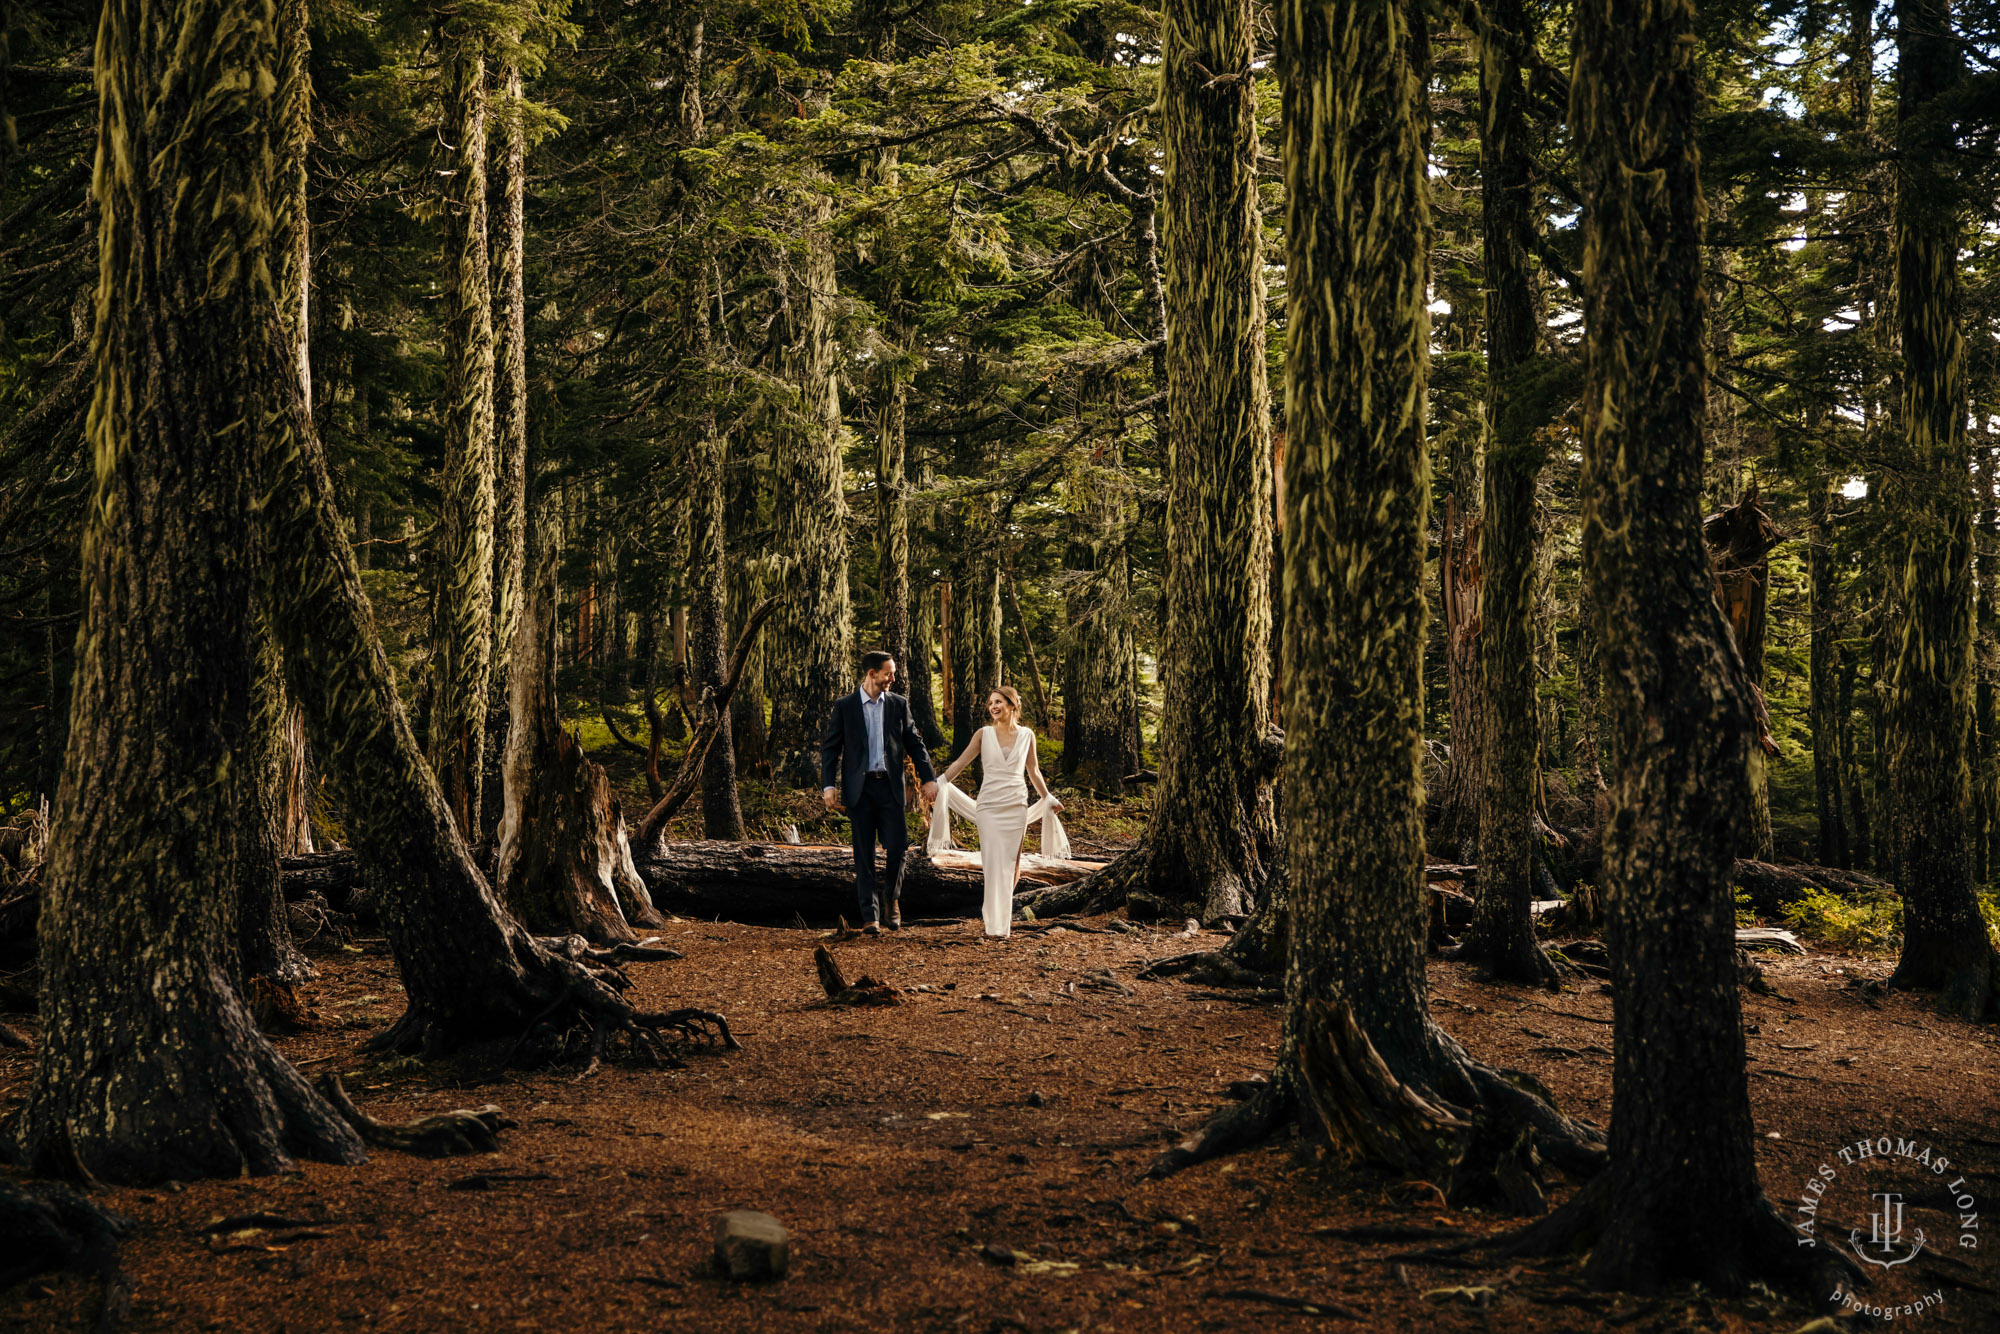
(1871, 925)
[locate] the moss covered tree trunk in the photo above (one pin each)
(1928, 702)
(1679, 1199)
(1360, 1060)
(810, 660)
(149, 1065)
(1207, 849)
(510, 426)
(749, 718)
(708, 554)
(280, 771)
(462, 615)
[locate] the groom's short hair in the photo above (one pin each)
(872, 661)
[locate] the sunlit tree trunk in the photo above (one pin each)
(149, 1066)
(1928, 496)
(462, 617)
(1360, 1061)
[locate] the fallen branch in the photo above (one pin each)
(445, 1135)
(861, 991)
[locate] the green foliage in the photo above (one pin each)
(1870, 925)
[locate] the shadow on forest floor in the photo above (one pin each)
(996, 1116)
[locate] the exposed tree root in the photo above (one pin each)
(582, 1008)
(445, 1135)
(46, 1227)
(1211, 968)
(1138, 881)
(9, 1038)
(1514, 962)
(1638, 1259)
(280, 1007)
(1342, 1090)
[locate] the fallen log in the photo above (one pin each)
(757, 881)
(1771, 887)
(762, 880)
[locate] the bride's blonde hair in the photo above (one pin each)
(1011, 695)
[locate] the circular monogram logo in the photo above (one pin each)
(1884, 1202)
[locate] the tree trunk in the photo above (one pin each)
(749, 728)
(811, 661)
(1207, 849)
(565, 865)
(510, 434)
(1679, 1199)
(1829, 773)
(708, 645)
(271, 805)
(1100, 676)
(1928, 496)
(462, 619)
(1739, 539)
(1458, 592)
(1359, 1059)
(149, 1066)
(1503, 933)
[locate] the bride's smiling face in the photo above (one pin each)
(998, 708)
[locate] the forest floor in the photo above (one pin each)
(999, 1112)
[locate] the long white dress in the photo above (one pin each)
(1002, 815)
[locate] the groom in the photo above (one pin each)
(866, 735)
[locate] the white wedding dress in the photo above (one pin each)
(1002, 815)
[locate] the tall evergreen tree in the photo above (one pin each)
(462, 607)
(1209, 845)
(1503, 933)
(1679, 1199)
(150, 1066)
(1928, 702)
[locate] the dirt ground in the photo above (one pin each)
(1003, 1109)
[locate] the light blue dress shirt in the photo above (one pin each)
(871, 716)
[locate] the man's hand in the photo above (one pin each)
(831, 796)
(930, 792)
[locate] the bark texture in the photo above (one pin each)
(811, 664)
(1679, 1199)
(149, 1065)
(565, 865)
(1209, 844)
(462, 615)
(1360, 1060)
(1928, 703)
(1828, 720)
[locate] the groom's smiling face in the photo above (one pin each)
(882, 677)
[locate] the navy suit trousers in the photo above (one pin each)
(878, 813)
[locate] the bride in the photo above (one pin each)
(1008, 765)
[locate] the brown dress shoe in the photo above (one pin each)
(871, 930)
(895, 917)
